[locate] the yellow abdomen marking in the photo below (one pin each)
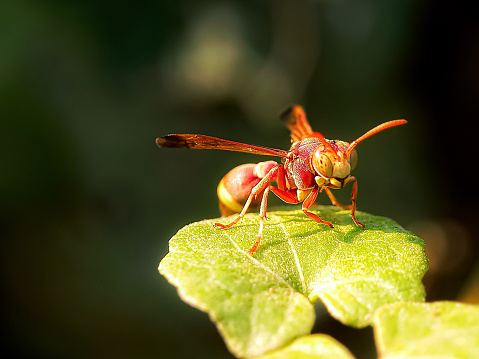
(227, 199)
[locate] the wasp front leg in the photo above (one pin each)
(308, 203)
(354, 196)
(352, 206)
(290, 196)
(334, 201)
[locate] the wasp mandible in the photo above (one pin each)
(311, 165)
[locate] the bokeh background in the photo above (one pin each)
(88, 202)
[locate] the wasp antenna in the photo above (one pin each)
(373, 131)
(326, 144)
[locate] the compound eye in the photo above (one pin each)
(322, 164)
(353, 159)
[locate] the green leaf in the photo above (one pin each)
(263, 302)
(439, 329)
(316, 346)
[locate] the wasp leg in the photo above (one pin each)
(281, 179)
(308, 202)
(262, 185)
(288, 196)
(352, 206)
(262, 216)
(334, 201)
(354, 196)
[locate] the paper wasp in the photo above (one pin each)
(311, 165)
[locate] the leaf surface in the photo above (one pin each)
(316, 346)
(263, 302)
(427, 330)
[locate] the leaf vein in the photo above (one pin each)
(257, 262)
(296, 257)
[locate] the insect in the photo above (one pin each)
(311, 165)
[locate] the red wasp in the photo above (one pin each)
(311, 165)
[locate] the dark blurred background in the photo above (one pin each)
(88, 202)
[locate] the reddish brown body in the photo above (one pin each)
(299, 171)
(311, 165)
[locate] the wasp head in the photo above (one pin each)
(333, 163)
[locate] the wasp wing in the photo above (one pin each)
(194, 141)
(295, 120)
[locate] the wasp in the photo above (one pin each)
(312, 164)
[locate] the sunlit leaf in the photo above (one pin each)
(263, 302)
(427, 330)
(316, 346)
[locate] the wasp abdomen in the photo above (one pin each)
(234, 188)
